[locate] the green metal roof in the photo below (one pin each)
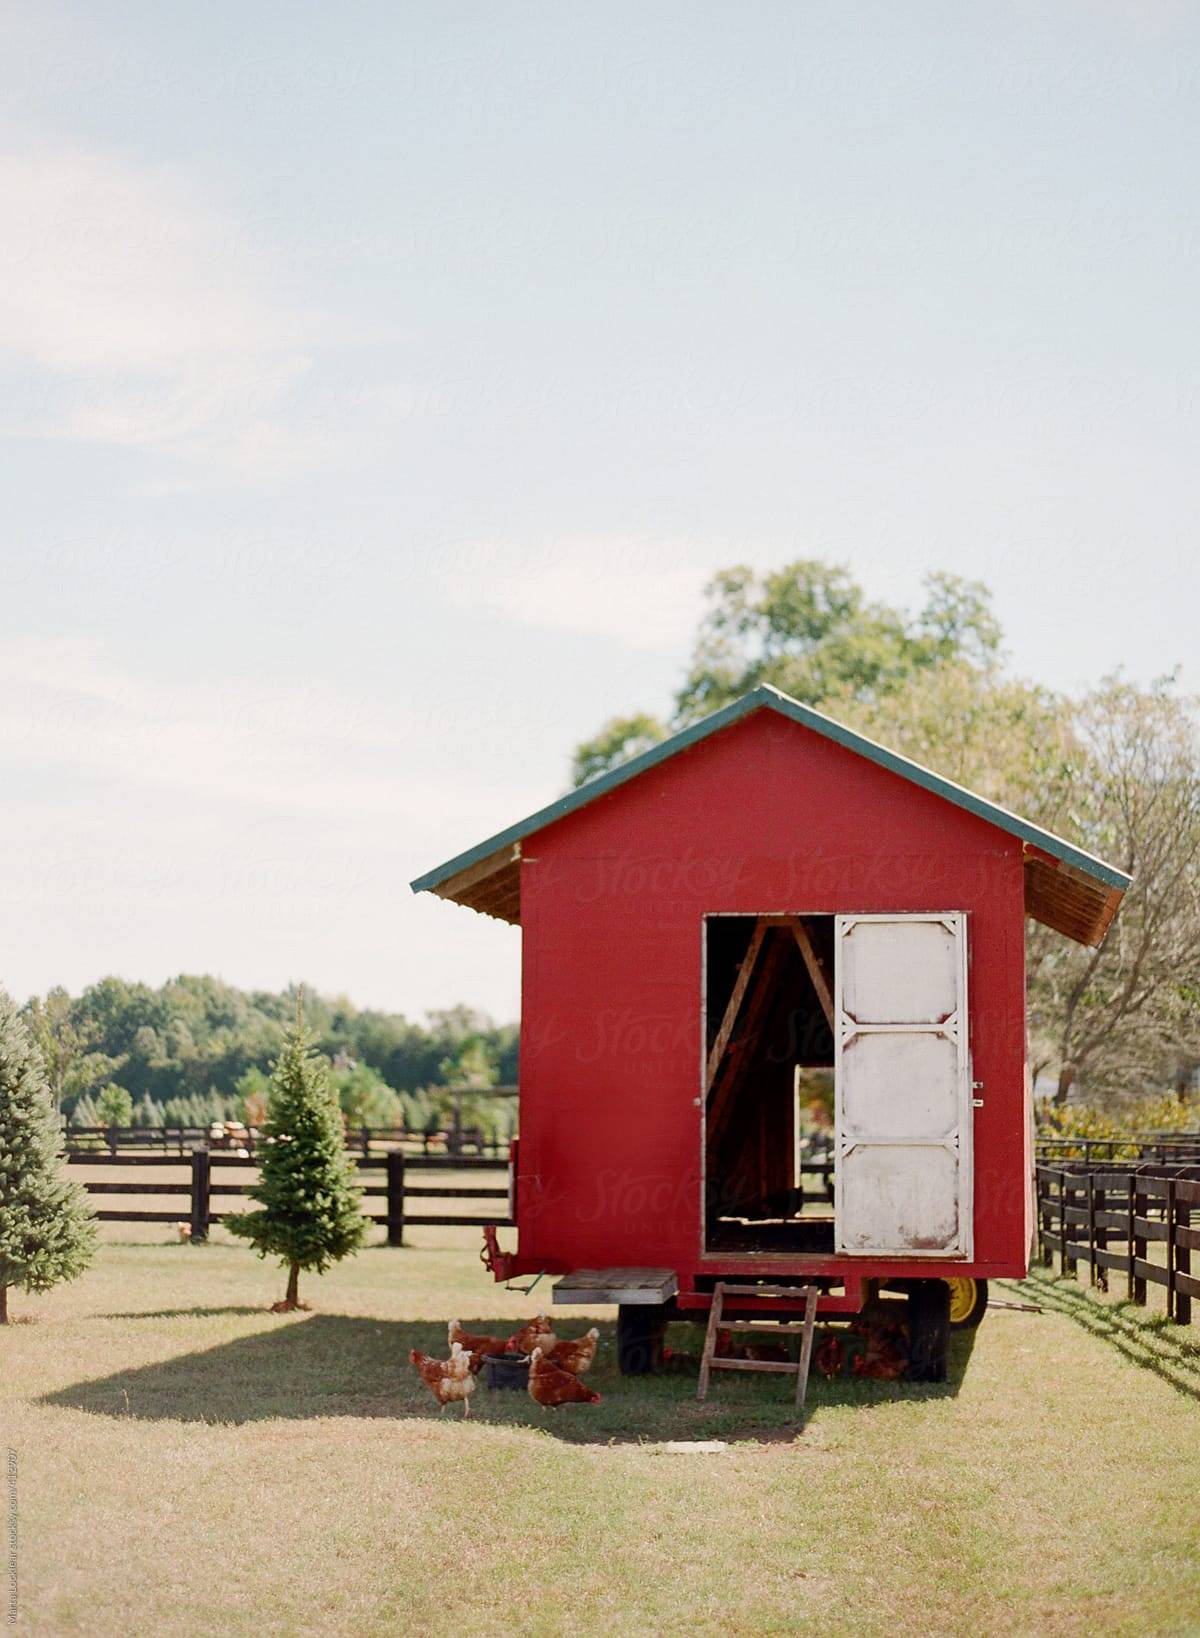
(771, 699)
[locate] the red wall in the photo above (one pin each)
(764, 816)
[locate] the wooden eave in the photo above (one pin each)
(1066, 899)
(492, 886)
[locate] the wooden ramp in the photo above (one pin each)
(793, 1294)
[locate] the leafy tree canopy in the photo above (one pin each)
(189, 1045)
(809, 629)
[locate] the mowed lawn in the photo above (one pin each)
(188, 1462)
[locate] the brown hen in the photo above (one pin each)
(550, 1385)
(537, 1334)
(446, 1379)
(479, 1347)
(574, 1354)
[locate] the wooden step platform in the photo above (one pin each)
(649, 1286)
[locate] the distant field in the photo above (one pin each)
(188, 1462)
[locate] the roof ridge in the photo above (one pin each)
(767, 696)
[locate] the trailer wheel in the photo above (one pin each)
(640, 1329)
(968, 1303)
(928, 1330)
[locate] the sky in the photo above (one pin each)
(381, 384)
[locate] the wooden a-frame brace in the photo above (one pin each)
(815, 971)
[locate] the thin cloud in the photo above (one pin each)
(73, 713)
(132, 314)
(646, 595)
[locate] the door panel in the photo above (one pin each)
(904, 971)
(902, 1086)
(899, 1198)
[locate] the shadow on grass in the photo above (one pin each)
(177, 1313)
(1150, 1340)
(329, 1365)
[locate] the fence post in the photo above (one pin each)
(395, 1198)
(1140, 1208)
(365, 1136)
(1066, 1264)
(1171, 1293)
(1183, 1262)
(1101, 1238)
(201, 1177)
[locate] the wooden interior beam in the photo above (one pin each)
(814, 970)
(734, 1005)
(731, 1072)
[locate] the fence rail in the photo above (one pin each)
(393, 1189)
(1165, 1148)
(1088, 1209)
(230, 1135)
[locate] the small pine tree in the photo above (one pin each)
(309, 1209)
(146, 1113)
(47, 1229)
(84, 1113)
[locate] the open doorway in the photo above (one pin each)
(768, 1083)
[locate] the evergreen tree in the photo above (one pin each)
(84, 1112)
(309, 1212)
(47, 1230)
(147, 1113)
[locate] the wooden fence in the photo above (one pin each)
(181, 1140)
(205, 1170)
(1163, 1147)
(1108, 1214)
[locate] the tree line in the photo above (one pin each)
(197, 1049)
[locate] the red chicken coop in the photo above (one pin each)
(773, 1024)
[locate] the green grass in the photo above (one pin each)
(189, 1462)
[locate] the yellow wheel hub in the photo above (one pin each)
(962, 1299)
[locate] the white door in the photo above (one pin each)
(902, 1086)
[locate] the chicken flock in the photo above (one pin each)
(556, 1364)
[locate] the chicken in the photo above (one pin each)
(447, 1379)
(726, 1347)
(537, 1334)
(550, 1385)
(574, 1354)
(478, 1347)
(884, 1358)
(729, 1348)
(830, 1357)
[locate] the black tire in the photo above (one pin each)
(640, 1330)
(967, 1308)
(928, 1330)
